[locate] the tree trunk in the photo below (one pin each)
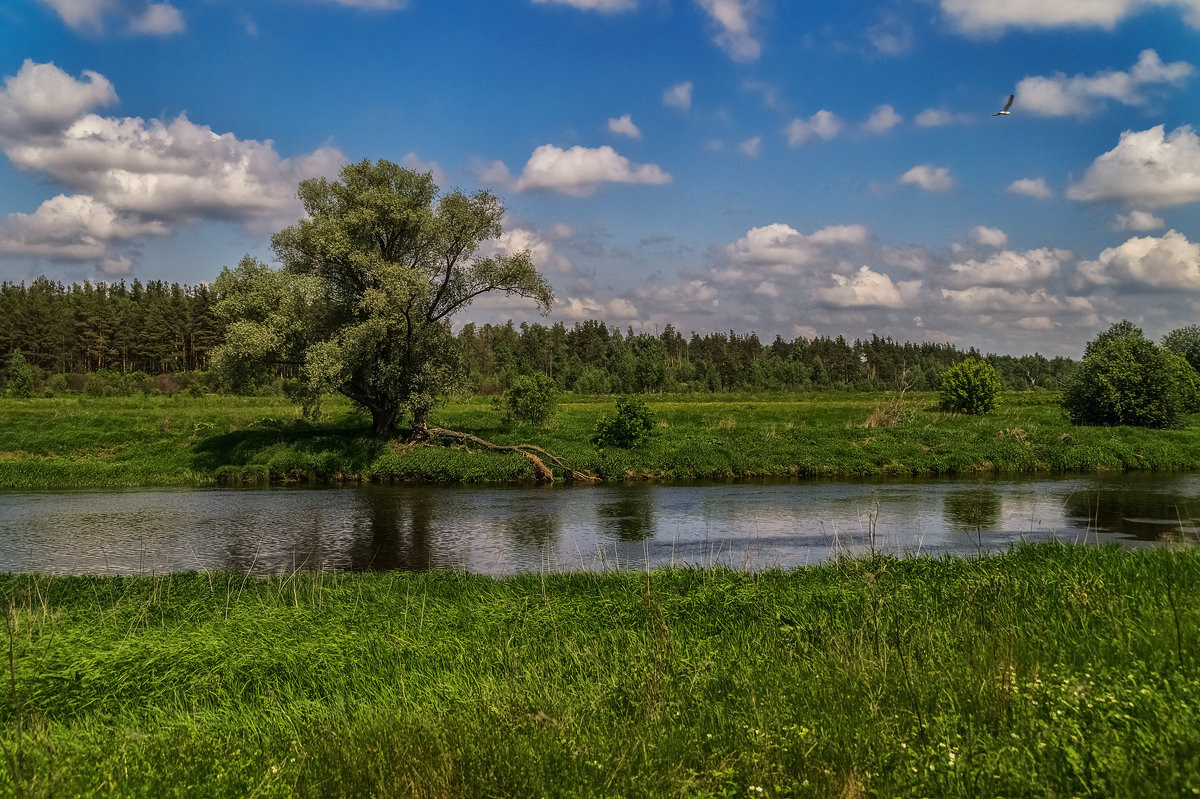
(383, 420)
(420, 428)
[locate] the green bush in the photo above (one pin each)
(629, 426)
(530, 398)
(1126, 379)
(1186, 342)
(20, 376)
(970, 386)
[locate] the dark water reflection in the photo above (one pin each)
(505, 530)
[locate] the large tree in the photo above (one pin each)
(368, 283)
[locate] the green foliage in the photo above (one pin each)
(1048, 671)
(630, 426)
(1187, 381)
(370, 281)
(1186, 342)
(970, 386)
(20, 376)
(530, 398)
(1125, 379)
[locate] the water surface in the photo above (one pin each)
(506, 530)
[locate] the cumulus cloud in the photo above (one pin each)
(678, 96)
(604, 6)
(576, 308)
(882, 119)
(751, 147)
(782, 249)
(91, 16)
(1084, 95)
(821, 125)
(577, 172)
(866, 288)
(733, 21)
(1008, 268)
(414, 162)
(1169, 262)
(624, 126)
(132, 178)
(1030, 187)
(540, 244)
(694, 296)
(988, 17)
(989, 236)
(1147, 168)
(995, 299)
(929, 178)
(1138, 220)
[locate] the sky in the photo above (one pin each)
(783, 167)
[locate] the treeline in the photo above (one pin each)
(592, 358)
(159, 328)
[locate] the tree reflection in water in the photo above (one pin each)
(1141, 514)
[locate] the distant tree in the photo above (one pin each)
(970, 386)
(1186, 342)
(20, 376)
(628, 427)
(1125, 379)
(370, 280)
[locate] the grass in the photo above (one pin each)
(184, 440)
(1050, 671)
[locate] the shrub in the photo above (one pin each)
(530, 398)
(629, 426)
(1186, 342)
(20, 376)
(1125, 379)
(970, 386)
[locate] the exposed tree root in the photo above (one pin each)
(542, 472)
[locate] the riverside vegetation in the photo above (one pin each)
(1052, 670)
(203, 439)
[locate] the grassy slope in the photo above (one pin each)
(1050, 671)
(185, 440)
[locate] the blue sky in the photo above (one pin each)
(784, 167)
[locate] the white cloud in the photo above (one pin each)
(989, 236)
(678, 96)
(989, 17)
(929, 178)
(604, 6)
(782, 249)
(591, 308)
(90, 16)
(864, 289)
(939, 117)
(733, 19)
(159, 19)
(139, 176)
(539, 244)
(882, 119)
(994, 299)
(1030, 187)
(1147, 168)
(823, 125)
(1084, 96)
(577, 172)
(1169, 262)
(1138, 220)
(1035, 323)
(41, 98)
(624, 126)
(694, 296)
(751, 147)
(891, 36)
(1008, 268)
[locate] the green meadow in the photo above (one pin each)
(81, 441)
(1051, 670)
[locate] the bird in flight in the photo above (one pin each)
(1007, 106)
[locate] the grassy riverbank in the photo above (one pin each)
(1049, 671)
(181, 440)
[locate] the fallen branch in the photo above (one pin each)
(544, 474)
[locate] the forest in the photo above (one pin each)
(115, 331)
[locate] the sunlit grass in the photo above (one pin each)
(186, 440)
(1048, 671)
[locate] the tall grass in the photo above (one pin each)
(189, 440)
(1048, 671)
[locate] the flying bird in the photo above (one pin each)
(1007, 106)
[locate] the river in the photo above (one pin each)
(506, 530)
